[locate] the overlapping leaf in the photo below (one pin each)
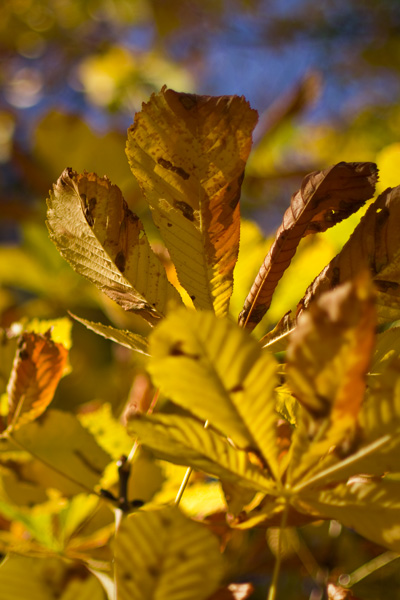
(375, 243)
(126, 338)
(325, 198)
(329, 354)
(185, 441)
(188, 153)
(162, 554)
(94, 230)
(38, 366)
(214, 369)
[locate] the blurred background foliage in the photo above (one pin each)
(325, 80)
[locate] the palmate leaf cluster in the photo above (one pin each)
(312, 436)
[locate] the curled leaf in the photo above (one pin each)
(188, 153)
(324, 199)
(38, 366)
(374, 243)
(94, 230)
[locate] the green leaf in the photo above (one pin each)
(188, 154)
(214, 369)
(126, 338)
(94, 230)
(162, 554)
(184, 441)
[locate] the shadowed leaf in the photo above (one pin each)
(162, 554)
(188, 153)
(324, 199)
(38, 366)
(94, 230)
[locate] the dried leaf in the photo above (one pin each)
(94, 230)
(188, 153)
(376, 243)
(324, 199)
(126, 338)
(38, 366)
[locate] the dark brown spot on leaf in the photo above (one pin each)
(188, 101)
(193, 297)
(23, 354)
(120, 261)
(176, 350)
(237, 388)
(185, 208)
(170, 167)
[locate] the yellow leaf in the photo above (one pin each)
(126, 338)
(37, 369)
(188, 153)
(46, 579)
(68, 451)
(370, 506)
(94, 230)
(162, 554)
(211, 367)
(185, 441)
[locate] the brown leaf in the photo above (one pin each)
(324, 199)
(37, 369)
(188, 153)
(330, 350)
(94, 230)
(375, 243)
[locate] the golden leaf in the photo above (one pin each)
(94, 230)
(324, 199)
(188, 153)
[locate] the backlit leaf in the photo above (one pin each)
(324, 199)
(126, 338)
(214, 369)
(375, 243)
(185, 441)
(369, 506)
(37, 369)
(94, 230)
(161, 554)
(188, 153)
